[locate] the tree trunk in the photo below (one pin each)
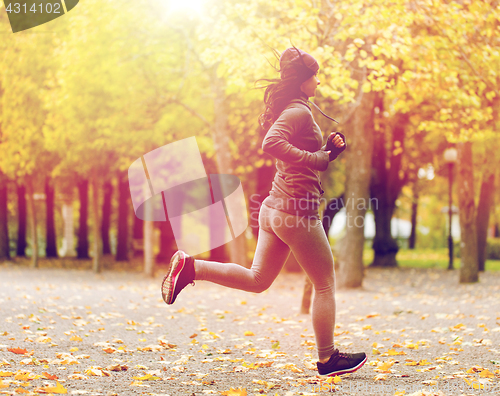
(68, 248)
(359, 133)
(83, 232)
(33, 224)
(123, 214)
(414, 208)
(483, 212)
(50, 228)
(385, 186)
(148, 239)
(332, 208)
(167, 242)
(96, 234)
(138, 237)
(4, 229)
(306, 296)
(384, 245)
(467, 209)
(21, 221)
(220, 253)
(106, 217)
(237, 247)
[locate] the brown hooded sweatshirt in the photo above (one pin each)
(295, 141)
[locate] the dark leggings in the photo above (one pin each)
(280, 232)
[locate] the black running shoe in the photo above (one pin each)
(179, 275)
(342, 363)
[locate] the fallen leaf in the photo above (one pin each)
(18, 351)
(393, 352)
(429, 382)
(137, 383)
(77, 377)
(486, 374)
(117, 367)
(147, 377)
(474, 369)
(235, 392)
(96, 372)
(151, 348)
(49, 376)
(24, 375)
(474, 383)
(384, 367)
(59, 389)
(268, 385)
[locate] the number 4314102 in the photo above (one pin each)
(49, 8)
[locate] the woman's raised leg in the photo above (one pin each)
(270, 256)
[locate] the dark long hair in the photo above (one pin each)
(278, 93)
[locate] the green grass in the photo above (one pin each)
(427, 258)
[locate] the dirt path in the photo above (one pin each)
(112, 334)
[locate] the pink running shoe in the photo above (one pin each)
(179, 275)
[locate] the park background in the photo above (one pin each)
(85, 95)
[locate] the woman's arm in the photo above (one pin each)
(277, 141)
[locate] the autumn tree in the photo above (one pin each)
(23, 115)
(464, 54)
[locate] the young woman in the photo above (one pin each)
(288, 218)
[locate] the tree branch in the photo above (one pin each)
(353, 107)
(192, 111)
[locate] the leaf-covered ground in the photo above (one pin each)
(74, 332)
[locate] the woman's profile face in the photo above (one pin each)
(309, 86)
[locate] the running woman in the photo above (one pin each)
(288, 217)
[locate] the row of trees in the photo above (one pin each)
(115, 208)
(85, 95)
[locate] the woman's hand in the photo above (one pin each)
(336, 140)
(335, 145)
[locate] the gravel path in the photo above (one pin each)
(87, 334)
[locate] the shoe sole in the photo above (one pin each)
(170, 280)
(346, 371)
